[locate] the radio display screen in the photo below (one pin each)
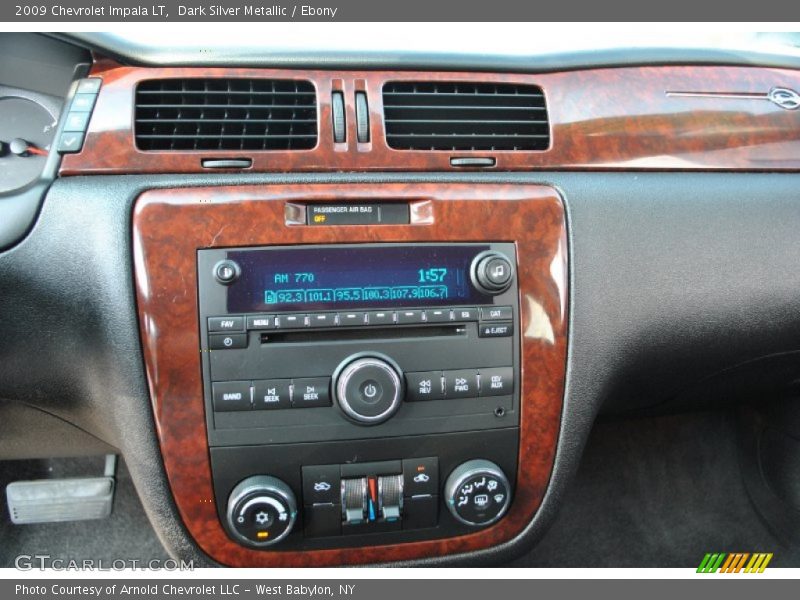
(342, 278)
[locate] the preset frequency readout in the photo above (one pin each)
(303, 287)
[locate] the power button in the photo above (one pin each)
(226, 272)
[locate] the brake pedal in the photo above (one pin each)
(56, 500)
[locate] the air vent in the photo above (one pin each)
(465, 116)
(226, 114)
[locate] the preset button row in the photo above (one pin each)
(411, 316)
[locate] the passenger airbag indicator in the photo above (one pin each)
(388, 213)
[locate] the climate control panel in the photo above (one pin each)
(357, 499)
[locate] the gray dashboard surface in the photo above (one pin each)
(674, 278)
(252, 53)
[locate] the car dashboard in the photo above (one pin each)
(347, 315)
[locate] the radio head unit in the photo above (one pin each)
(319, 361)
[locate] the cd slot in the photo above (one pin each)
(373, 333)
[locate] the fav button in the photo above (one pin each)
(311, 392)
(272, 393)
(225, 324)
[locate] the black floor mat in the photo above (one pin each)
(658, 492)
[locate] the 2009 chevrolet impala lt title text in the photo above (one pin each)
(252, 10)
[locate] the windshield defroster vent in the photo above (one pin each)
(226, 114)
(465, 116)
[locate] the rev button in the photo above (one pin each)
(425, 385)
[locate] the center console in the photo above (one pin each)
(406, 353)
(353, 390)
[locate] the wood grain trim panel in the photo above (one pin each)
(169, 226)
(600, 119)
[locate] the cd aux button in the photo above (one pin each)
(497, 381)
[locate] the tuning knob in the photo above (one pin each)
(492, 272)
(477, 493)
(368, 389)
(261, 511)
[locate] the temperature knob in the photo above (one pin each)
(261, 511)
(477, 492)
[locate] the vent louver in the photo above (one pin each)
(465, 116)
(226, 114)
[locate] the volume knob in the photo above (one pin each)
(368, 389)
